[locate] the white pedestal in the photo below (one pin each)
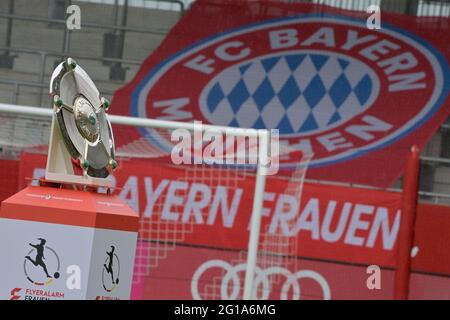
(58, 244)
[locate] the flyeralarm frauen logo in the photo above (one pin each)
(41, 267)
(35, 264)
(110, 274)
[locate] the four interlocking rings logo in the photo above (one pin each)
(262, 278)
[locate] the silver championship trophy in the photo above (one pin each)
(81, 132)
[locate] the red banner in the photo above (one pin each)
(355, 98)
(207, 216)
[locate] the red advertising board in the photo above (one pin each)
(204, 275)
(336, 233)
(356, 98)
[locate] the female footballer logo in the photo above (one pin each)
(331, 86)
(111, 271)
(41, 265)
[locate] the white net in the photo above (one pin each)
(277, 251)
(167, 235)
(23, 133)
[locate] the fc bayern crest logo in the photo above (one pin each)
(331, 86)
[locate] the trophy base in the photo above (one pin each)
(66, 244)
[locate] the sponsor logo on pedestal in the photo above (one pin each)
(41, 267)
(110, 274)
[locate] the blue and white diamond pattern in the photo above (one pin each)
(297, 92)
